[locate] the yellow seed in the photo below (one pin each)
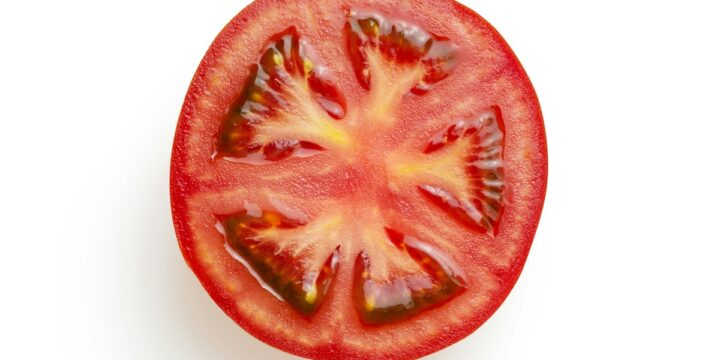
(311, 295)
(370, 26)
(308, 66)
(369, 304)
(272, 218)
(256, 96)
(277, 59)
(375, 27)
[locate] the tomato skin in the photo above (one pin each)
(183, 185)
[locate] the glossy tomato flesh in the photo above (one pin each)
(358, 179)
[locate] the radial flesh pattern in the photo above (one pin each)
(358, 174)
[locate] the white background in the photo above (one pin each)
(624, 265)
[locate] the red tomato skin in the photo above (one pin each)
(182, 185)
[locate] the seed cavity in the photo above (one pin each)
(483, 207)
(385, 301)
(400, 43)
(286, 85)
(251, 238)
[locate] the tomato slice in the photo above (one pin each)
(358, 179)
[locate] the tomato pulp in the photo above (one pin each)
(358, 179)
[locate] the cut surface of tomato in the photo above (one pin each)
(358, 179)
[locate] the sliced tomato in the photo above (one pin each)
(358, 179)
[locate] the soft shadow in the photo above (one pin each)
(171, 315)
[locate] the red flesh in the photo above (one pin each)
(202, 188)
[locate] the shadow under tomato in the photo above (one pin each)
(146, 303)
(193, 326)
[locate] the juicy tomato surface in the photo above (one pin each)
(358, 179)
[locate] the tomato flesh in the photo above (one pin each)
(353, 179)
